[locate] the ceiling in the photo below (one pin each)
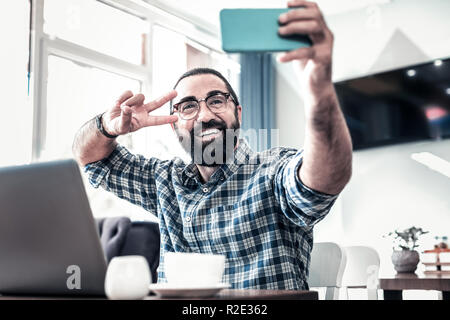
(207, 11)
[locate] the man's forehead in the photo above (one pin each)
(199, 85)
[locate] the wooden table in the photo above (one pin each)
(252, 294)
(394, 285)
(227, 294)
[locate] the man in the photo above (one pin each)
(258, 209)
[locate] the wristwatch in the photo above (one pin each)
(98, 121)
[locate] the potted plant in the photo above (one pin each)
(404, 257)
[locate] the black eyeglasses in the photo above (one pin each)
(216, 102)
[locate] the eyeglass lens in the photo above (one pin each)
(215, 103)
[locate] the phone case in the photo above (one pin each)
(256, 30)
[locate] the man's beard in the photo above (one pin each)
(215, 152)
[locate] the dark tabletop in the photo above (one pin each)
(226, 294)
(253, 294)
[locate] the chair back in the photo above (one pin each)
(361, 271)
(326, 269)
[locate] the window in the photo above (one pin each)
(95, 25)
(82, 63)
(75, 94)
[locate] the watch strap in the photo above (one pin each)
(98, 121)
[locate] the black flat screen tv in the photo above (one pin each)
(398, 106)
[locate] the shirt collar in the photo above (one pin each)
(242, 155)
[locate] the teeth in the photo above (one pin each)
(208, 132)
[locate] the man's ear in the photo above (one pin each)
(239, 109)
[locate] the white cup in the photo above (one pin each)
(127, 278)
(193, 269)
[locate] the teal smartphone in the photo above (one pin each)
(256, 30)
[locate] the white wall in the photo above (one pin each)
(388, 189)
(370, 40)
(15, 106)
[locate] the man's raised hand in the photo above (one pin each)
(314, 62)
(129, 113)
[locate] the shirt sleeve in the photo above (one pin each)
(130, 177)
(299, 203)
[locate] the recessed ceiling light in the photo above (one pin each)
(438, 63)
(411, 72)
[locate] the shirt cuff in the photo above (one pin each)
(296, 189)
(97, 171)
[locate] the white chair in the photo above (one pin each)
(327, 268)
(361, 271)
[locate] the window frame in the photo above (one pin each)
(43, 46)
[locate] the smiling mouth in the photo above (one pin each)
(210, 132)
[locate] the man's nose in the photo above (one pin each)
(204, 114)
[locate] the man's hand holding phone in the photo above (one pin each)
(315, 61)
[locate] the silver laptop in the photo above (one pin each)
(49, 243)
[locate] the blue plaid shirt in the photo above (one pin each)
(255, 211)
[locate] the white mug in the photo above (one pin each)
(127, 278)
(193, 269)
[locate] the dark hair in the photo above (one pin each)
(197, 71)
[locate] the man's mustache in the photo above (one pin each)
(197, 129)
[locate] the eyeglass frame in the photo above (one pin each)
(227, 95)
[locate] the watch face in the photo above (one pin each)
(98, 122)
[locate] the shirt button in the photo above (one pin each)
(205, 190)
(188, 219)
